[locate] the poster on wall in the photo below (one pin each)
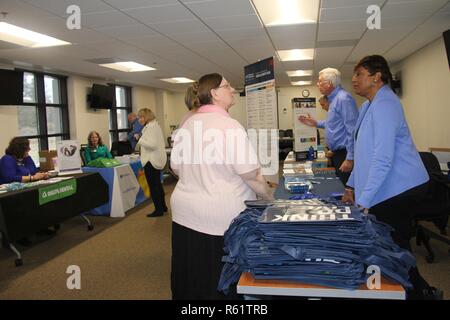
(262, 114)
(69, 159)
(261, 95)
(305, 136)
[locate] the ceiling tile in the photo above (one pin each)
(344, 36)
(221, 8)
(293, 37)
(349, 3)
(333, 57)
(168, 13)
(106, 19)
(246, 33)
(233, 22)
(343, 14)
(179, 27)
(192, 39)
(59, 7)
(298, 65)
(132, 4)
(342, 26)
(132, 31)
(377, 42)
(410, 9)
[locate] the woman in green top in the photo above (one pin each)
(96, 148)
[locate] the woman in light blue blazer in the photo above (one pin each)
(388, 177)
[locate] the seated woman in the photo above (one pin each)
(16, 165)
(96, 148)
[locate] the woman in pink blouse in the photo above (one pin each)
(218, 169)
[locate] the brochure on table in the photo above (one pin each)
(69, 159)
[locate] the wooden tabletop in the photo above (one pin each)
(249, 286)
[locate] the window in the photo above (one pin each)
(43, 117)
(118, 115)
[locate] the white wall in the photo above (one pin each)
(82, 119)
(142, 97)
(239, 110)
(426, 95)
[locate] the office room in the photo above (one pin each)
(116, 177)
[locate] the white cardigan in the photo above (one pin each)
(152, 145)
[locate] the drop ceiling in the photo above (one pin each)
(188, 38)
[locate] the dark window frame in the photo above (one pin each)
(113, 124)
(41, 107)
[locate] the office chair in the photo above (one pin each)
(82, 155)
(289, 133)
(120, 148)
(434, 208)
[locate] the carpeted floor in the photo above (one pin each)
(125, 258)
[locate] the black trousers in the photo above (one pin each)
(337, 160)
(196, 265)
(396, 212)
(153, 177)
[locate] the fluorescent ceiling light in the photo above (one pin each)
(127, 66)
(27, 38)
(299, 73)
(296, 54)
(178, 80)
(287, 12)
(301, 83)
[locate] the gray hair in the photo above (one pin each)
(332, 75)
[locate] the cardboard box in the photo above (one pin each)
(46, 159)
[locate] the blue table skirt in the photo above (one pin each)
(108, 175)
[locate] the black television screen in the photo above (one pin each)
(101, 97)
(11, 87)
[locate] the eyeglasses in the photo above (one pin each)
(224, 86)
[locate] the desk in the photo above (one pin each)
(249, 286)
(326, 183)
(21, 214)
(125, 191)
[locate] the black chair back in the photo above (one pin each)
(437, 202)
(120, 148)
(82, 155)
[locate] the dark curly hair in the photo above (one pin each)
(376, 63)
(17, 147)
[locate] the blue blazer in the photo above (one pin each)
(12, 170)
(386, 160)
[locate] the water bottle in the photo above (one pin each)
(311, 153)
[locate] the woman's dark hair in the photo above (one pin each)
(374, 64)
(100, 142)
(17, 147)
(205, 84)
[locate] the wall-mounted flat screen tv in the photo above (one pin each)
(101, 97)
(11, 87)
